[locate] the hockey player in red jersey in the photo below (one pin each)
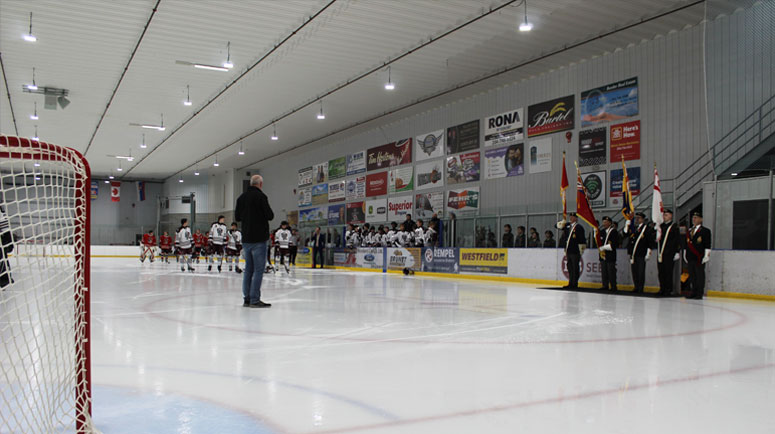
(149, 243)
(199, 242)
(165, 244)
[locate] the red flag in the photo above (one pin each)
(564, 186)
(115, 191)
(583, 209)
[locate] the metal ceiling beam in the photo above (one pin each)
(121, 79)
(228, 86)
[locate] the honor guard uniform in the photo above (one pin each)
(639, 249)
(608, 254)
(573, 235)
(697, 254)
(668, 245)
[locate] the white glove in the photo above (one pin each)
(675, 257)
(684, 253)
(648, 254)
(706, 258)
(627, 226)
(632, 261)
(606, 248)
(560, 224)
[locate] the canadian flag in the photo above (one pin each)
(115, 191)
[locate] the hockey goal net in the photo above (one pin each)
(44, 300)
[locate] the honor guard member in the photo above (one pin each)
(608, 254)
(667, 252)
(697, 254)
(639, 249)
(573, 235)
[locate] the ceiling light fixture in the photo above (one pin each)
(35, 137)
(734, 173)
(32, 86)
(321, 116)
(108, 182)
(240, 152)
(227, 64)
(34, 115)
(274, 132)
(525, 26)
(210, 67)
(29, 37)
(142, 144)
(216, 161)
(187, 102)
(119, 167)
(196, 170)
(181, 179)
(389, 85)
(36, 164)
(111, 177)
(152, 127)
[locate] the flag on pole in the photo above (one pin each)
(628, 211)
(583, 208)
(115, 191)
(140, 191)
(564, 186)
(657, 208)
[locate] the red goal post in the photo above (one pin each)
(44, 301)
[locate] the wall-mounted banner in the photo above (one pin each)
(592, 144)
(392, 154)
(314, 216)
(356, 188)
(292, 217)
(551, 116)
(398, 207)
(463, 137)
(337, 168)
(610, 103)
(305, 176)
(429, 175)
(427, 204)
(344, 257)
(376, 210)
(463, 168)
(115, 191)
(401, 179)
(319, 194)
(376, 184)
(504, 129)
(140, 191)
(429, 145)
(356, 163)
(615, 193)
(625, 141)
(355, 214)
(400, 258)
(336, 214)
(370, 257)
(465, 201)
(320, 171)
(304, 196)
(540, 155)
(505, 161)
(441, 259)
(95, 189)
(304, 257)
(337, 191)
(484, 260)
(596, 188)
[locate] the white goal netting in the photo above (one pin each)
(44, 278)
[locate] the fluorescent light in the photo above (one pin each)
(36, 164)
(228, 65)
(36, 138)
(120, 169)
(142, 144)
(32, 87)
(108, 182)
(241, 152)
(274, 137)
(37, 178)
(196, 173)
(216, 161)
(216, 164)
(321, 116)
(153, 127)
(210, 67)
(180, 180)
(110, 177)
(187, 103)
(34, 117)
(525, 27)
(390, 86)
(29, 38)
(734, 173)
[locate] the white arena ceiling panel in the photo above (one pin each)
(346, 40)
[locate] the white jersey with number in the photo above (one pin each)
(283, 238)
(429, 234)
(183, 238)
(419, 236)
(219, 234)
(355, 239)
(235, 239)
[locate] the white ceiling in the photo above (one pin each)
(84, 46)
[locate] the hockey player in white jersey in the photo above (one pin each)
(419, 234)
(283, 240)
(355, 238)
(431, 235)
(402, 238)
(218, 239)
(233, 247)
(184, 244)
